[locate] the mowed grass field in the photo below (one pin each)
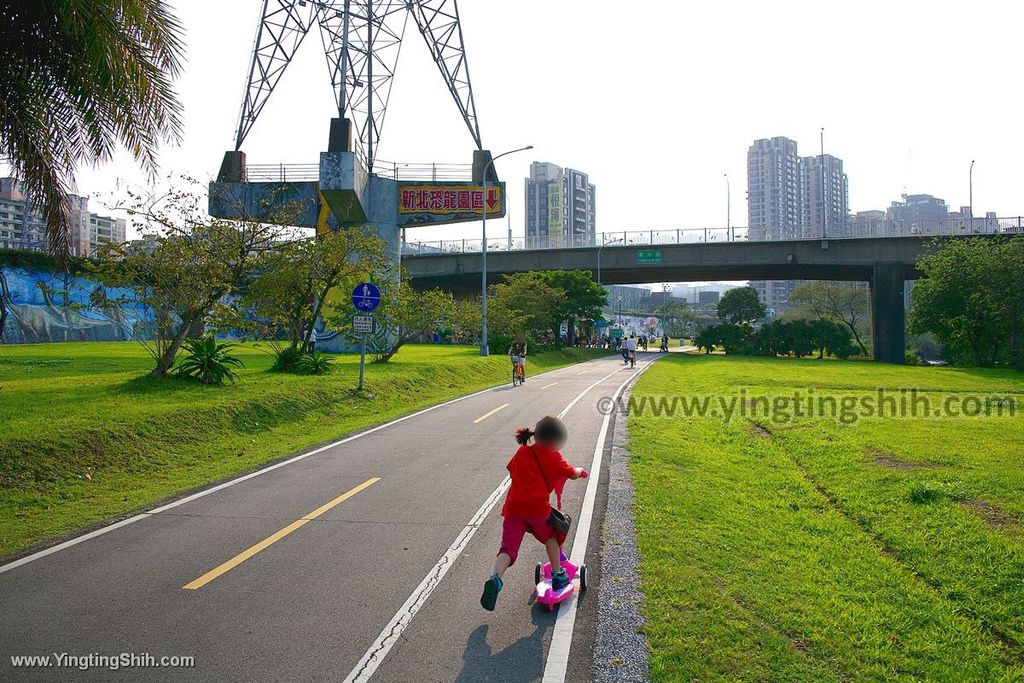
(811, 550)
(85, 435)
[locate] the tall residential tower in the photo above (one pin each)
(560, 207)
(789, 197)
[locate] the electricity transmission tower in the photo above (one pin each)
(361, 40)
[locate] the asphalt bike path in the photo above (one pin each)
(361, 561)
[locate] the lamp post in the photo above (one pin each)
(970, 193)
(484, 351)
(603, 245)
(728, 207)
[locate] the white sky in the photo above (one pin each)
(655, 100)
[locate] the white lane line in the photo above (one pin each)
(246, 477)
(488, 414)
(565, 622)
(391, 633)
(548, 386)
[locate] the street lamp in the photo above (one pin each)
(728, 206)
(603, 245)
(484, 351)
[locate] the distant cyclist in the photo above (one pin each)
(631, 349)
(517, 352)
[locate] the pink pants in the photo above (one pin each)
(513, 529)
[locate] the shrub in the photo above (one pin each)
(208, 361)
(315, 363)
(286, 359)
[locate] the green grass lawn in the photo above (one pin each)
(85, 435)
(811, 550)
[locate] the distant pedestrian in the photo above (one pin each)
(536, 469)
(311, 343)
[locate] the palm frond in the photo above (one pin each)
(81, 77)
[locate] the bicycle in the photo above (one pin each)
(518, 373)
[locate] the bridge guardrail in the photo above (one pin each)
(633, 238)
(283, 173)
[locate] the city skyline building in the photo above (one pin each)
(23, 226)
(793, 197)
(561, 207)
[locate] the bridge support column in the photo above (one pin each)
(888, 315)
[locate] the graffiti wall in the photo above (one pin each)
(45, 306)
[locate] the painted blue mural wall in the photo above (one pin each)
(44, 306)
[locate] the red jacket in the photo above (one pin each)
(529, 495)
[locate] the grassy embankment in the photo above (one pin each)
(810, 550)
(84, 435)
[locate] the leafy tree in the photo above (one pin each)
(679, 318)
(771, 340)
(741, 306)
(1010, 274)
(799, 338)
(970, 299)
(522, 304)
(842, 302)
(182, 280)
(410, 315)
(734, 339)
(581, 299)
(707, 339)
(301, 280)
(79, 77)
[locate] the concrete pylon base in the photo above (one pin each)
(888, 314)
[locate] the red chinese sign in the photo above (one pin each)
(449, 199)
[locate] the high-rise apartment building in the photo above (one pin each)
(561, 207)
(789, 197)
(775, 191)
(826, 197)
(22, 225)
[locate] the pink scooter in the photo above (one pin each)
(546, 594)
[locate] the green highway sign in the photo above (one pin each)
(648, 256)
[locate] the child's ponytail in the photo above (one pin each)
(523, 435)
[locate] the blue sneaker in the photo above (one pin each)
(490, 595)
(559, 579)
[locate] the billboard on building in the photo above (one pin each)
(438, 202)
(555, 202)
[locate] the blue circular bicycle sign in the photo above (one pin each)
(366, 297)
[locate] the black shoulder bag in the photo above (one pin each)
(561, 521)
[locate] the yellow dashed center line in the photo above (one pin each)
(487, 415)
(277, 536)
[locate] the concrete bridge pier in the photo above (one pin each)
(888, 314)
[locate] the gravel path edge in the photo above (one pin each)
(620, 648)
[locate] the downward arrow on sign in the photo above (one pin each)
(492, 198)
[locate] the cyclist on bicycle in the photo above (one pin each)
(631, 348)
(517, 352)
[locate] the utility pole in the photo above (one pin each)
(728, 206)
(484, 351)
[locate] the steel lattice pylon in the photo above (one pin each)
(362, 40)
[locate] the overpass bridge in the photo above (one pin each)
(693, 255)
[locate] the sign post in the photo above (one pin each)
(366, 298)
